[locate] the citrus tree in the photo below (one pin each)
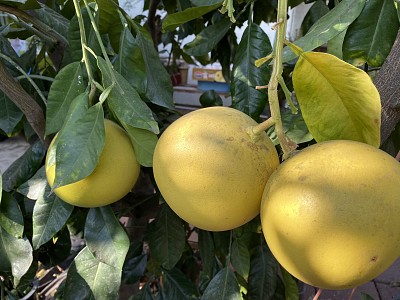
(89, 64)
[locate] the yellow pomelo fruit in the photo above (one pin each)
(209, 169)
(113, 178)
(330, 214)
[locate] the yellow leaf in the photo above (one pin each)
(337, 100)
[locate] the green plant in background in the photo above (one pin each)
(87, 61)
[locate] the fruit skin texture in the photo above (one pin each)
(330, 214)
(114, 176)
(210, 171)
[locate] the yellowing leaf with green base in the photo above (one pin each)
(337, 100)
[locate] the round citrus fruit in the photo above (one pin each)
(211, 171)
(330, 214)
(113, 177)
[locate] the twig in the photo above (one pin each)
(316, 297)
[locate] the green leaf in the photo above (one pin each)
(159, 88)
(174, 20)
(370, 37)
(291, 289)
(316, 12)
(134, 268)
(108, 15)
(335, 45)
(208, 38)
(337, 100)
(24, 167)
(144, 143)
(125, 102)
(10, 114)
(205, 2)
(22, 4)
(16, 255)
(246, 76)
(53, 19)
(74, 37)
(49, 213)
(105, 237)
(210, 98)
(327, 27)
(207, 253)
(166, 238)
(263, 274)
(79, 143)
(223, 286)
(365, 296)
(130, 62)
(88, 278)
(67, 85)
(177, 286)
(240, 257)
(11, 218)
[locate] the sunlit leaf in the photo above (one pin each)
(246, 76)
(327, 27)
(208, 38)
(125, 102)
(159, 88)
(174, 20)
(11, 218)
(370, 37)
(105, 237)
(24, 167)
(166, 238)
(88, 278)
(223, 286)
(68, 84)
(16, 254)
(144, 143)
(79, 143)
(337, 100)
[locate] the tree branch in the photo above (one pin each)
(387, 84)
(24, 101)
(151, 21)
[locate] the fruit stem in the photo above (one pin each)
(287, 145)
(254, 131)
(316, 297)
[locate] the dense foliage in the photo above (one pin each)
(87, 61)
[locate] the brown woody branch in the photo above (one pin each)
(387, 84)
(33, 112)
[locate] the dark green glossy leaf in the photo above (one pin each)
(49, 213)
(177, 286)
(88, 278)
(53, 19)
(174, 20)
(7, 49)
(67, 85)
(24, 167)
(205, 2)
(316, 12)
(105, 237)
(22, 4)
(16, 254)
(144, 143)
(74, 37)
(58, 249)
(246, 76)
(130, 62)
(10, 114)
(159, 88)
(291, 289)
(208, 38)
(223, 286)
(79, 143)
(166, 238)
(134, 268)
(327, 27)
(11, 218)
(210, 98)
(370, 37)
(108, 15)
(365, 296)
(240, 257)
(207, 253)
(263, 274)
(125, 102)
